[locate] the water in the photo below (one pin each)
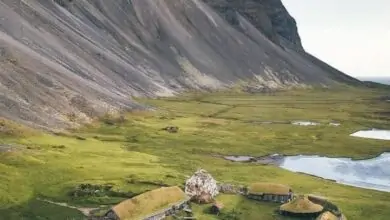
(370, 174)
(373, 134)
(305, 123)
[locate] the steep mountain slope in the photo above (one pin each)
(269, 16)
(67, 60)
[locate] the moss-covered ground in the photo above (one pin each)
(134, 154)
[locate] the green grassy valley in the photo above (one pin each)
(132, 154)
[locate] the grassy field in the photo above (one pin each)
(134, 155)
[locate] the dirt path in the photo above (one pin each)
(85, 211)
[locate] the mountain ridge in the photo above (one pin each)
(84, 58)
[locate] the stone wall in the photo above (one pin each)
(328, 206)
(169, 211)
(269, 198)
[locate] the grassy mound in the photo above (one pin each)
(149, 202)
(268, 188)
(301, 205)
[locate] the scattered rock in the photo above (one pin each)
(85, 190)
(258, 89)
(151, 183)
(385, 98)
(305, 123)
(239, 158)
(81, 138)
(58, 146)
(170, 176)
(33, 147)
(114, 120)
(5, 148)
(201, 187)
(274, 159)
(227, 188)
(171, 129)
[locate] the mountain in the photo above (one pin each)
(65, 61)
(382, 80)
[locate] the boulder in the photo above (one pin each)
(216, 208)
(201, 187)
(171, 129)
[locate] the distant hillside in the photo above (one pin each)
(383, 80)
(63, 62)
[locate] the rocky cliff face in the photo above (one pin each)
(268, 16)
(64, 61)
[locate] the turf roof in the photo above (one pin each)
(301, 205)
(149, 203)
(269, 188)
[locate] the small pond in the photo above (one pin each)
(305, 123)
(370, 174)
(373, 134)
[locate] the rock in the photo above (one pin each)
(171, 129)
(81, 138)
(5, 148)
(203, 198)
(227, 188)
(243, 190)
(268, 16)
(201, 187)
(216, 208)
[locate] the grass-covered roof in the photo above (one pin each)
(301, 205)
(268, 188)
(149, 203)
(327, 216)
(330, 216)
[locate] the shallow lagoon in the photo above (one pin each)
(370, 174)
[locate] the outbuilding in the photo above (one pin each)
(155, 204)
(270, 192)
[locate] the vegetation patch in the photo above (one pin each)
(137, 156)
(85, 190)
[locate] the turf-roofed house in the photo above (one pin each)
(155, 204)
(301, 207)
(270, 192)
